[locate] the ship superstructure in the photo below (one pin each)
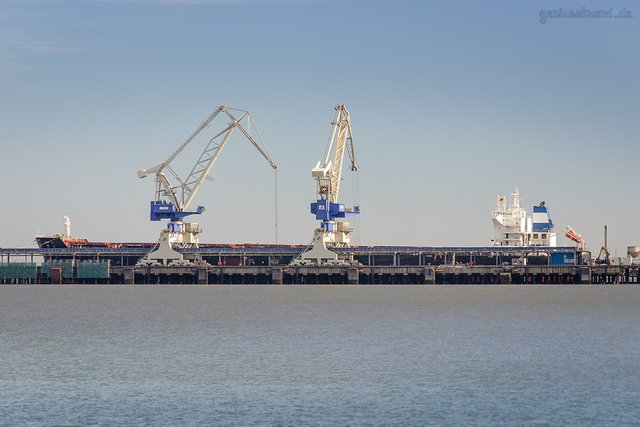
(512, 226)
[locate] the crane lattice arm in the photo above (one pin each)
(182, 194)
(329, 172)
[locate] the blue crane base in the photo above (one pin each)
(166, 210)
(327, 211)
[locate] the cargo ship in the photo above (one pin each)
(512, 227)
(62, 241)
(517, 236)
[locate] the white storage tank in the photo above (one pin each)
(633, 251)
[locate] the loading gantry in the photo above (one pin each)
(172, 201)
(332, 233)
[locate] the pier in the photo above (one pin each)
(255, 264)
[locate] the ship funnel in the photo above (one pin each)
(541, 219)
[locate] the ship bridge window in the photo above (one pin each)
(535, 235)
(543, 236)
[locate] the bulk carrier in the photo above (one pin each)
(518, 239)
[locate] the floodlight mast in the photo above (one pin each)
(181, 194)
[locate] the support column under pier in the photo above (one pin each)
(128, 276)
(353, 276)
(276, 276)
(203, 276)
(429, 277)
(505, 278)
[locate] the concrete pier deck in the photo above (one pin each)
(375, 265)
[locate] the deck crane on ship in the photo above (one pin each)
(332, 232)
(172, 201)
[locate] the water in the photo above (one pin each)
(319, 355)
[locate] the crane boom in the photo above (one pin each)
(344, 140)
(183, 193)
(329, 172)
(195, 134)
(203, 165)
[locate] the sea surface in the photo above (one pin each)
(319, 355)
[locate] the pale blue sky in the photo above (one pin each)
(452, 103)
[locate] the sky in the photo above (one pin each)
(452, 104)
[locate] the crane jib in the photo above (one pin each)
(182, 194)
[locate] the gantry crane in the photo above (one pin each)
(328, 174)
(172, 201)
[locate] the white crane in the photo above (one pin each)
(327, 209)
(181, 194)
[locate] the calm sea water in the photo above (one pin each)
(319, 355)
